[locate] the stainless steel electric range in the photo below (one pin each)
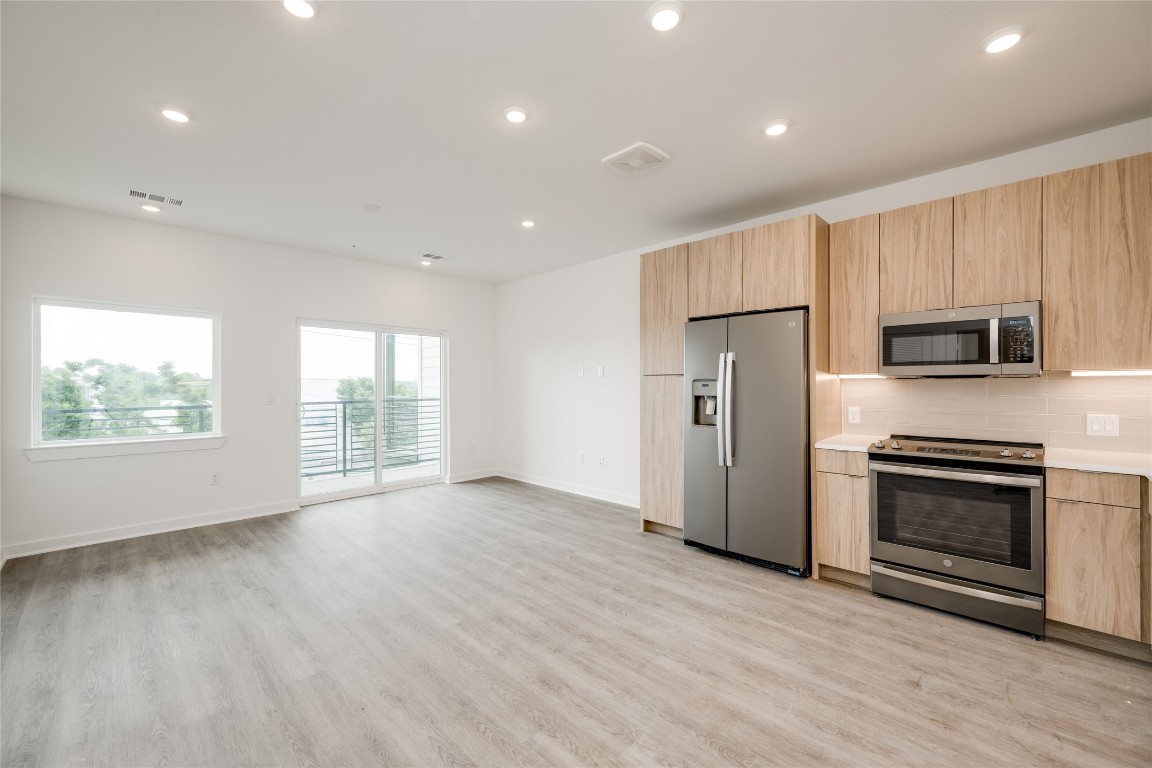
(958, 525)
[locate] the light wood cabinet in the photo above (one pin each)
(775, 260)
(841, 514)
(916, 257)
(663, 310)
(1096, 487)
(714, 275)
(1098, 266)
(996, 249)
(662, 450)
(854, 295)
(1093, 567)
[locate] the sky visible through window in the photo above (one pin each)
(140, 339)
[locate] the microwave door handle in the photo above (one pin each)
(721, 399)
(994, 340)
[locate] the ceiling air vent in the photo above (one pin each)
(154, 197)
(637, 158)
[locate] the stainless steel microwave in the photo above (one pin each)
(996, 340)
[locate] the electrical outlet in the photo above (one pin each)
(214, 478)
(579, 370)
(599, 370)
(471, 448)
(1102, 425)
(271, 398)
(600, 461)
(579, 458)
(853, 414)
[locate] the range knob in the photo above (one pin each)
(1007, 453)
(1027, 455)
(895, 445)
(879, 443)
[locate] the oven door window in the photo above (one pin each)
(978, 521)
(957, 343)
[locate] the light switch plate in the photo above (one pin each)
(1102, 425)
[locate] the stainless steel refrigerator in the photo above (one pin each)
(746, 437)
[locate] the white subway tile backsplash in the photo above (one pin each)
(1130, 407)
(1048, 409)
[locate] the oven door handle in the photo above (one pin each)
(1034, 604)
(944, 474)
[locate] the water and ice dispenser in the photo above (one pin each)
(704, 402)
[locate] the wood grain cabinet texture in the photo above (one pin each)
(1098, 266)
(714, 276)
(916, 257)
(662, 450)
(663, 310)
(841, 514)
(996, 249)
(775, 260)
(854, 295)
(1093, 567)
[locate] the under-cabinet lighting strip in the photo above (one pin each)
(1112, 373)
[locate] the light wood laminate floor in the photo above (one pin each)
(499, 624)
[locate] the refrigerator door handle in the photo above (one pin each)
(721, 398)
(729, 359)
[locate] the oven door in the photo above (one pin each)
(959, 342)
(975, 524)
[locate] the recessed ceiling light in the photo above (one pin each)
(425, 263)
(302, 8)
(776, 127)
(1002, 40)
(151, 208)
(515, 114)
(175, 114)
(527, 223)
(665, 15)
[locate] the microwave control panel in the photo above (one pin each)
(1017, 340)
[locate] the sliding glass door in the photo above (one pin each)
(370, 408)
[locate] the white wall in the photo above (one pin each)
(547, 415)
(259, 290)
(548, 326)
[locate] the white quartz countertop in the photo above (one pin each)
(1059, 458)
(1099, 461)
(850, 442)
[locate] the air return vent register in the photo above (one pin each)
(637, 158)
(154, 198)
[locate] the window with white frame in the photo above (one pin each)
(115, 373)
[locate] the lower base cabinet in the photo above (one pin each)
(662, 450)
(841, 525)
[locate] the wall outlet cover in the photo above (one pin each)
(853, 414)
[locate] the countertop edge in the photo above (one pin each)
(846, 442)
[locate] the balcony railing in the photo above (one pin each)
(338, 437)
(126, 421)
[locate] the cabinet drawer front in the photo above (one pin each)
(1093, 487)
(842, 462)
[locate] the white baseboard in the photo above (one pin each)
(144, 529)
(463, 477)
(579, 490)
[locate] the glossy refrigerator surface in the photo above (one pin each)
(750, 501)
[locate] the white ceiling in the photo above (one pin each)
(299, 123)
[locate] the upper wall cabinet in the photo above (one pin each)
(663, 310)
(1098, 266)
(997, 245)
(854, 294)
(775, 264)
(916, 257)
(714, 276)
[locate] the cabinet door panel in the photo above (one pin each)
(1098, 266)
(714, 276)
(663, 310)
(854, 294)
(842, 521)
(997, 245)
(662, 450)
(1093, 567)
(916, 257)
(775, 264)
(1094, 487)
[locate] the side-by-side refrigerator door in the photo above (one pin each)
(705, 345)
(768, 479)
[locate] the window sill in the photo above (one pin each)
(58, 451)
